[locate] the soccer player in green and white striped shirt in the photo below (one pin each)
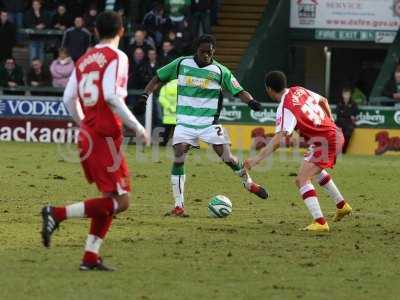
(200, 83)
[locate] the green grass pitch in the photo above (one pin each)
(256, 253)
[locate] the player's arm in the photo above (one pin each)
(265, 152)
(164, 74)
(323, 102)
(285, 125)
(71, 100)
(231, 84)
(115, 92)
(247, 98)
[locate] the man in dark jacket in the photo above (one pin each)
(346, 111)
(36, 18)
(156, 23)
(76, 39)
(11, 75)
(8, 36)
(15, 9)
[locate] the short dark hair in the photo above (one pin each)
(276, 80)
(108, 24)
(205, 39)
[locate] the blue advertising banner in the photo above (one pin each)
(14, 106)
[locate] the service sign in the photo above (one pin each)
(366, 15)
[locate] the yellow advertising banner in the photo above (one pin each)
(364, 141)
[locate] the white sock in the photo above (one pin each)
(76, 210)
(311, 201)
(325, 181)
(245, 177)
(93, 243)
(178, 187)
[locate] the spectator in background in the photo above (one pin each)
(140, 41)
(90, 19)
(178, 10)
(156, 23)
(346, 112)
(182, 41)
(38, 75)
(36, 18)
(11, 75)
(168, 53)
(150, 66)
(76, 39)
(8, 36)
(15, 9)
(392, 87)
(215, 5)
(137, 62)
(200, 16)
(62, 19)
(61, 68)
(168, 98)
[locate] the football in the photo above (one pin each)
(219, 207)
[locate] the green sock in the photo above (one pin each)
(178, 169)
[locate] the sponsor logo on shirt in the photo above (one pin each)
(235, 83)
(197, 82)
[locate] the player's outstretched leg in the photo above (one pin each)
(178, 178)
(100, 211)
(309, 195)
(233, 162)
(342, 207)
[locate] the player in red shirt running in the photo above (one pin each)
(95, 97)
(309, 114)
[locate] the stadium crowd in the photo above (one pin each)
(58, 32)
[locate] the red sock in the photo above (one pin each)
(90, 258)
(99, 207)
(59, 213)
(341, 204)
(320, 221)
(100, 226)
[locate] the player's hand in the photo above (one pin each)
(143, 137)
(255, 105)
(140, 106)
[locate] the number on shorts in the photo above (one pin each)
(313, 111)
(219, 130)
(88, 90)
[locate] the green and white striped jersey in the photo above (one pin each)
(199, 90)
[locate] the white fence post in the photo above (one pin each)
(149, 116)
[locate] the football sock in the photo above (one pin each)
(238, 168)
(178, 178)
(97, 207)
(98, 230)
(325, 181)
(311, 201)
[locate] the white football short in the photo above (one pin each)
(214, 135)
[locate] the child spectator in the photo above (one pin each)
(61, 68)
